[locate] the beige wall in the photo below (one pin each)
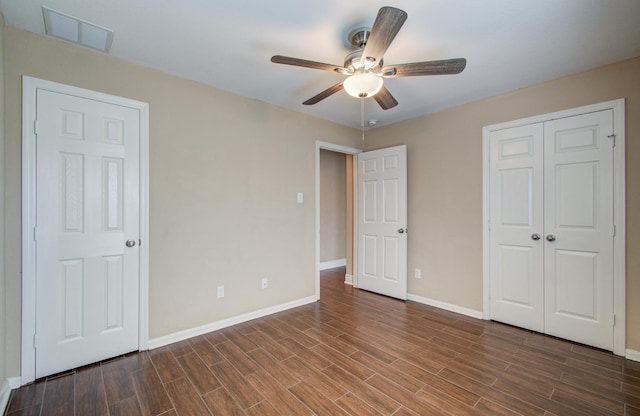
(445, 181)
(225, 170)
(224, 173)
(333, 205)
(3, 315)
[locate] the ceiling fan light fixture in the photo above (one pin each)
(363, 84)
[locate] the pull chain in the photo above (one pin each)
(362, 117)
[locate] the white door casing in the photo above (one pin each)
(583, 217)
(83, 196)
(579, 218)
(382, 221)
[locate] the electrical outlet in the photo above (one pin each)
(417, 274)
(265, 283)
(220, 291)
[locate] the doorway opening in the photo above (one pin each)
(341, 224)
(336, 212)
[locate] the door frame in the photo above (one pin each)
(619, 247)
(30, 86)
(320, 145)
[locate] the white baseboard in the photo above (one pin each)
(632, 355)
(5, 391)
(214, 326)
(348, 279)
(333, 264)
(446, 306)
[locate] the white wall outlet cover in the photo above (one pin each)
(300, 197)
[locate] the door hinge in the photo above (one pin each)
(35, 343)
(36, 127)
(614, 319)
(35, 233)
(613, 232)
(613, 139)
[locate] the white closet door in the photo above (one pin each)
(551, 225)
(579, 221)
(516, 244)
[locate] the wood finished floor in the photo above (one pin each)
(352, 353)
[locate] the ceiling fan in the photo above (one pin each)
(364, 67)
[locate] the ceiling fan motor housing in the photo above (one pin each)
(353, 63)
(358, 37)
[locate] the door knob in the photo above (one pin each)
(402, 230)
(130, 243)
(551, 237)
(535, 236)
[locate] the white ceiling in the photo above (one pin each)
(508, 44)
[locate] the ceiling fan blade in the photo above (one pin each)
(324, 94)
(444, 67)
(385, 99)
(384, 30)
(286, 60)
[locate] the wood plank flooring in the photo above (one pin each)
(352, 353)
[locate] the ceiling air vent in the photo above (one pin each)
(78, 31)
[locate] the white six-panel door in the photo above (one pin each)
(517, 290)
(87, 207)
(551, 227)
(382, 228)
(578, 195)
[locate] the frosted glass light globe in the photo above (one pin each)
(363, 84)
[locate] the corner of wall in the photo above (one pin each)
(4, 383)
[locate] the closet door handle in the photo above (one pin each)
(551, 237)
(535, 236)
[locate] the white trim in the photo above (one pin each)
(486, 270)
(348, 279)
(5, 391)
(619, 219)
(332, 264)
(341, 149)
(632, 355)
(446, 306)
(619, 247)
(29, 89)
(143, 312)
(214, 326)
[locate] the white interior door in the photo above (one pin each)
(382, 228)
(579, 220)
(87, 207)
(516, 245)
(552, 227)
